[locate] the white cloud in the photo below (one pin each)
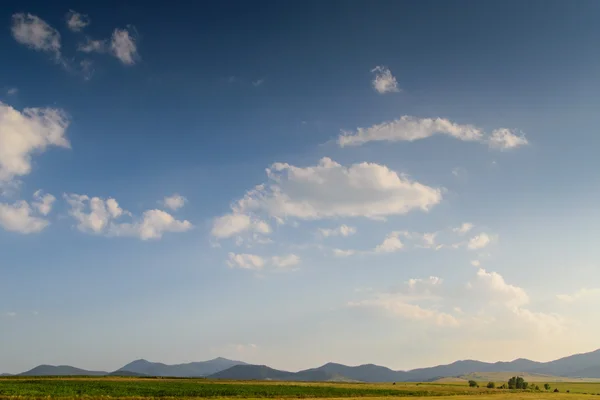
(428, 240)
(11, 314)
(287, 261)
(479, 242)
(76, 21)
(391, 244)
(43, 202)
(123, 46)
(259, 263)
(384, 81)
(174, 202)
(153, 225)
(343, 253)
(489, 305)
(35, 33)
(93, 46)
(342, 230)
(475, 263)
(464, 228)
(420, 287)
(12, 91)
(99, 216)
(491, 285)
(330, 190)
(20, 217)
(245, 261)
(24, 133)
(545, 323)
(235, 223)
(505, 139)
(579, 295)
(258, 82)
(408, 128)
(396, 305)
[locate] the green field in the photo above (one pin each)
(148, 388)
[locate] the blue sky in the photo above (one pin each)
(292, 183)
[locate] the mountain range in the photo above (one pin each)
(586, 365)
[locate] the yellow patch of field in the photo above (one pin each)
(505, 376)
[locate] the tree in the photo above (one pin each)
(472, 383)
(547, 386)
(517, 382)
(491, 385)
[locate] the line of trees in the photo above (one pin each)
(516, 382)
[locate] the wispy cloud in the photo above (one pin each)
(384, 81)
(122, 45)
(76, 21)
(409, 128)
(342, 230)
(35, 33)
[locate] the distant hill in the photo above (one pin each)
(363, 373)
(252, 372)
(315, 375)
(262, 372)
(60, 370)
(568, 366)
(571, 368)
(5, 374)
(589, 372)
(126, 373)
(193, 369)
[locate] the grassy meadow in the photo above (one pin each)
(164, 388)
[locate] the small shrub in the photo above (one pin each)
(491, 385)
(556, 390)
(472, 383)
(547, 386)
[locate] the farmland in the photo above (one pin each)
(146, 388)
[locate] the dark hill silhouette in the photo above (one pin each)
(364, 373)
(568, 366)
(585, 365)
(60, 370)
(121, 372)
(252, 372)
(193, 369)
